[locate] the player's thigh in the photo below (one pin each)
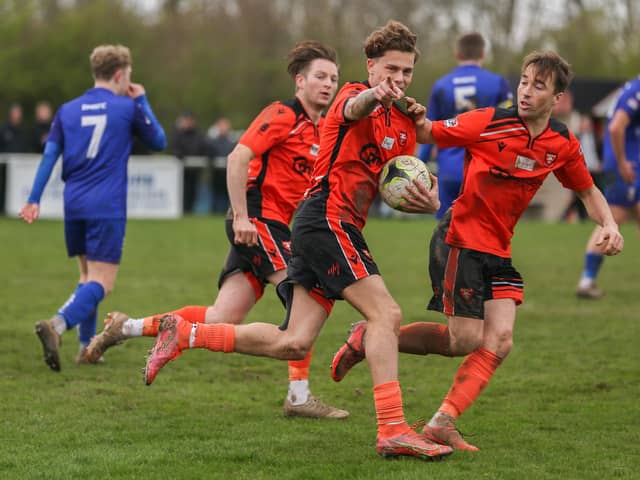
(620, 213)
(306, 318)
(236, 297)
(102, 272)
(83, 268)
(372, 299)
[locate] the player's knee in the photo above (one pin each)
(503, 343)
(389, 316)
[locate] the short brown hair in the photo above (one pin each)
(470, 46)
(393, 36)
(550, 64)
(106, 60)
(305, 52)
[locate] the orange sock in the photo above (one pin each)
(192, 313)
(422, 338)
(470, 380)
(299, 369)
(387, 398)
(217, 337)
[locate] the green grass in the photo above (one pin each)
(563, 406)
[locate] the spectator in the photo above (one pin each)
(13, 138)
(220, 142)
(187, 140)
(40, 130)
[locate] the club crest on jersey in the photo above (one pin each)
(551, 157)
(451, 122)
(524, 163)
(314, 150)
(387, 143)
(402, 138)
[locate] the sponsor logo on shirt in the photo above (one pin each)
(302, 165)
(387, 143)
(94, 106)
(451, 122)
(402, 138)
(551, 157)
(524, 163)
(369, 154)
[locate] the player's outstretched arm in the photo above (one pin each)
(366, 101)
(609, 237)
(31, 209)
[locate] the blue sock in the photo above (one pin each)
(87, 328)
(592, 264)
(82, 305)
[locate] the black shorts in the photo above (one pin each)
(328, 256)
(463, 279)
(258, 263)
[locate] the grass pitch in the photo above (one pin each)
(564, 404)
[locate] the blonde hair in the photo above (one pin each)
(106, 60)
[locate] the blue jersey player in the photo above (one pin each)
(93, 133)
(621, 174)
(465, 88)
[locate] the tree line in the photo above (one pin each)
(227, 57)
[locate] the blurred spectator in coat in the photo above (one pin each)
(13, 137)
(42, 124)
(188, 140)
(221, 140)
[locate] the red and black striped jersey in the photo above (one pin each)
(352, 154)
(285, 142)
(503, 169)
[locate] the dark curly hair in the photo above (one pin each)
(393, 36)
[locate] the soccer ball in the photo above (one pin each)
(399, 172)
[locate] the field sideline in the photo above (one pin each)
(563, 406)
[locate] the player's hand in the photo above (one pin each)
(386, 92)
(627, 173)
(30, 212)
(610, 240)
(135, 90)
(244, 232)
(422, 200)
(416, 111)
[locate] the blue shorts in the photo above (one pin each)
(619, 193)
(99, 240)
